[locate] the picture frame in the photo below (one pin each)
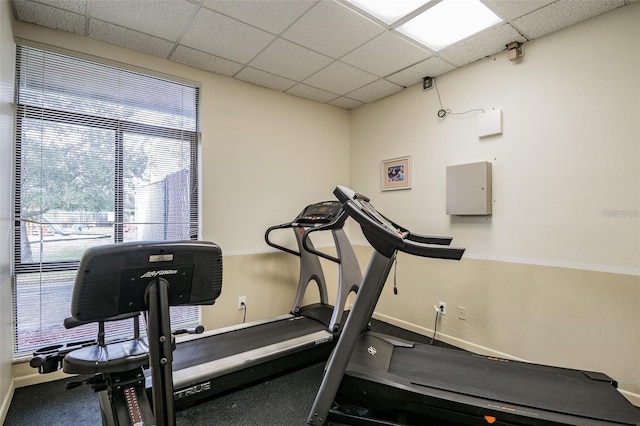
(395, 173)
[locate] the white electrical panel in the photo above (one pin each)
(490, 123)
(469, 189)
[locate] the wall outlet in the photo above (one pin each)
(442, 307)
(242, 302)
(462, 313)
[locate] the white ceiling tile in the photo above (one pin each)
(224, 37)
(264, 79)
(204, 61)
(308, 92)
(399, 53)
(346, 103)
(130, 39)
(562, 14)
(289, 60)
(50, 17)
(485, 44)
(332, 29)
(269, 15)
(377, 90)
(432, 67)
(340, 78)
(166, 19)
(509, 9)
(75, 6)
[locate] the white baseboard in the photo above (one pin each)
(37, 378)
(6, 403)
(463, 344)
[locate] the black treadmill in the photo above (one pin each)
(377, 379)
(221, 360)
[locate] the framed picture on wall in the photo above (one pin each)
(396, 173)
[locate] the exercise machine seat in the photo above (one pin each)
(112, 358)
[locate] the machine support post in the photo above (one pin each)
(361, 312)
(348, 274)
(310, 269)
(160, 352)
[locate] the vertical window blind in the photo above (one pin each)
(103, 155)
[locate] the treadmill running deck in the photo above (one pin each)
(531, 390)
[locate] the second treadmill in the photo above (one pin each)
(218, 361)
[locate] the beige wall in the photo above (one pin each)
(7, 60)
(549, 277)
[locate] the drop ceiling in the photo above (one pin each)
(324, 50)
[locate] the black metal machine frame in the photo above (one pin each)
(376, 379)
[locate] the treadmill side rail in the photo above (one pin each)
(215, 377)
(220, 367)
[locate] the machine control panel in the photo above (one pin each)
(321, 212)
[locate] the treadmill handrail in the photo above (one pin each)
(278, 246)
(426, 239)
(429, 239)
(387, 237)
(335, 223)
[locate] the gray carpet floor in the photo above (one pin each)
(285, 400)
(282, 401)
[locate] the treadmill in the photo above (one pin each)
(221, 360)
(376, 379)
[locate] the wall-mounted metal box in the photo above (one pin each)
(469, 189)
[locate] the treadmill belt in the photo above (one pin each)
(510, 382)
(218, 346)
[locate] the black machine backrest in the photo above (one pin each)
(113, 279)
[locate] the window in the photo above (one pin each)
(103, 155)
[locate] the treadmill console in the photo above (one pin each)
(321, 212)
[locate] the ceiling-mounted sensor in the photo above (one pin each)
(514, 51)
(427, 83)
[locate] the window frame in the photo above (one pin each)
(120, 127)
